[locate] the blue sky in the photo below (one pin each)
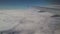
(21, 4)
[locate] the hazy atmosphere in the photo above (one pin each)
(29, 17)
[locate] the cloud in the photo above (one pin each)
(27, 21)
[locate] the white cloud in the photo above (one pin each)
(29, 20)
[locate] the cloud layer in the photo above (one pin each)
(26, 21)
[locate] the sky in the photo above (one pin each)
(22, 4)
